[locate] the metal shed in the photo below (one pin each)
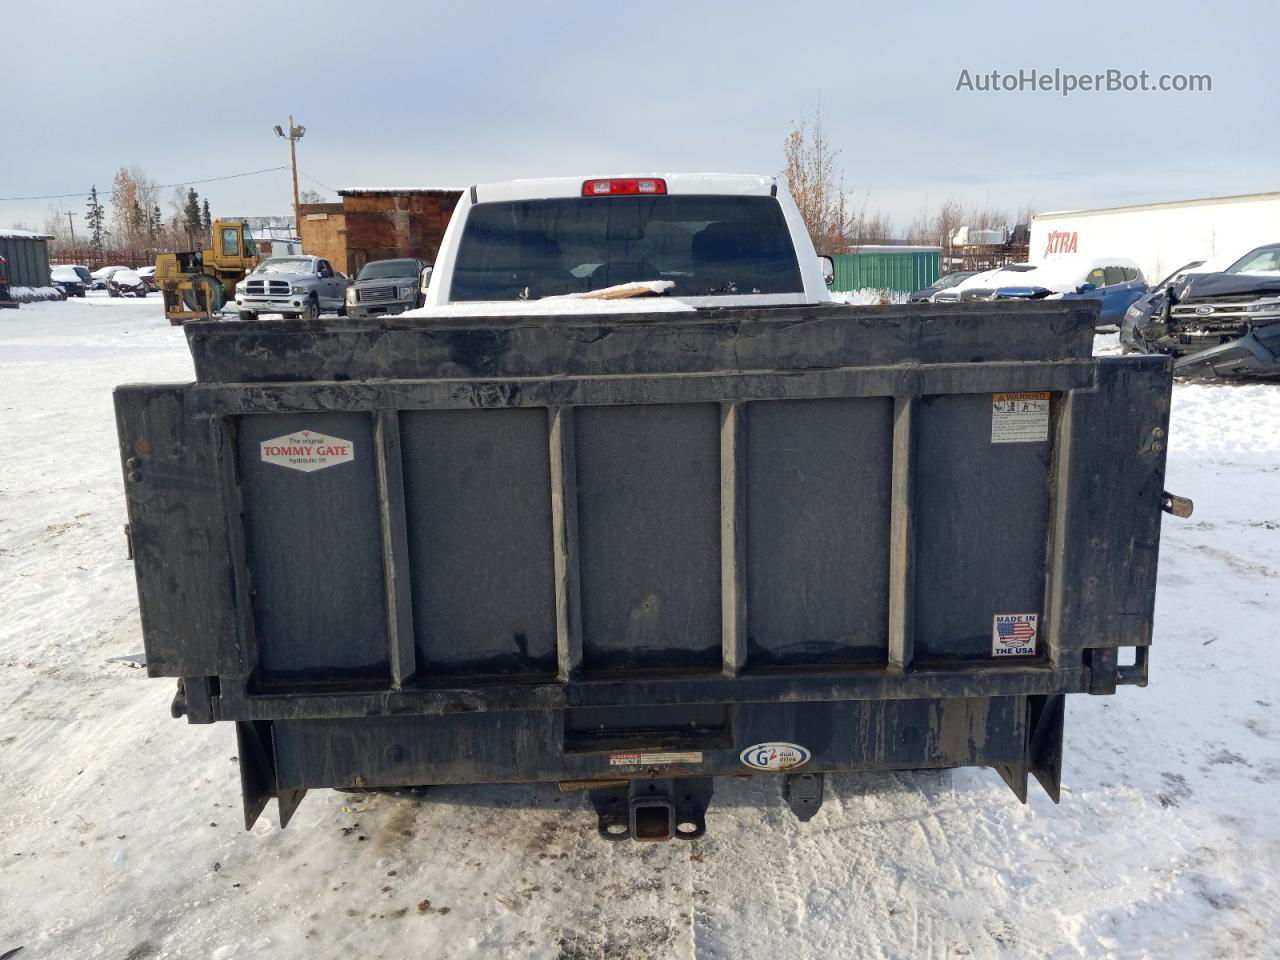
(27, 255)
(886, 267)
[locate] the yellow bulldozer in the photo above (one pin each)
(196, 284)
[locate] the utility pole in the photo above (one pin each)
(295, 134)
(73, 228)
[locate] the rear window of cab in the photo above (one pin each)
(704, 245)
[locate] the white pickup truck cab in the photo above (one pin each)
(707, 239)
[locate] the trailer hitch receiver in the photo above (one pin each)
(653, 810)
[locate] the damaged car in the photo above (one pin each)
(1115, 282)
(1144, 307)
(1215, 324)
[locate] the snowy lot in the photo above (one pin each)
(121, 833)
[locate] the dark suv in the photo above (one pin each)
(388, 286)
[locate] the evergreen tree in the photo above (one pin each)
(96, 219)
(155, 225)
(191, 213)
(206, 220)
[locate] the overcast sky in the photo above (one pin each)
(422, 94)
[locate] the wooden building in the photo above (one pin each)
(376, 225)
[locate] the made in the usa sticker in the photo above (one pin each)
(1015, 634)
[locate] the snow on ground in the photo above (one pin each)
(120, 829)
(868, 296)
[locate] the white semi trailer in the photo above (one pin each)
(1161, 236)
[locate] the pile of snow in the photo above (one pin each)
(1107, 344)
(868, 296)
(33, 294)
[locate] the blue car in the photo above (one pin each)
(1116, 282)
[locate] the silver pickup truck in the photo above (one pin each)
(292, 286)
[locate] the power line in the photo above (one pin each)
(317, 182)
(159, 186)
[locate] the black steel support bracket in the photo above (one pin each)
(258, 782)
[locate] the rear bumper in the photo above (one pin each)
(1019, 736)
(551, 746)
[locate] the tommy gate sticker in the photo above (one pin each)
(307, 451)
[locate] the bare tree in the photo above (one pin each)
(816, 184)
(174, 222)
(124, 206)
(865, 225)
(58, 226)
(949, 219)
(871, 226)
(920, 230)
(148, 195)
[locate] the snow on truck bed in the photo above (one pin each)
(121, 832)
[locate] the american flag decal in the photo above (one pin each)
(1014, 634)
(1016, 631)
